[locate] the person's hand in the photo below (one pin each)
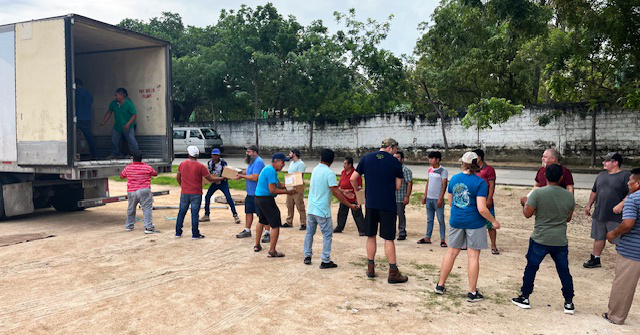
(102, 123)
(587, 210)
(523, 201)
(611, 236)
(424, 200)
(496, 225)
(440, 203)
(126, 127)
(348, 194)
(239, 176)
(406, 201)
(292, 192)
(618, 208)
(489, 202)
(354, 206)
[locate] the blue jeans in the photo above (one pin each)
(326, 226)
(185, 200)
(85, 127)
(432, 208)
(560, 256)
(129, 136)
(224, 187)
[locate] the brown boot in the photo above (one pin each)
(396, 277)
(371, 270)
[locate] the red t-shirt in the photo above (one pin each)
(138, 175)
(567, 178)
(487, 173)
(345, 184)
(191, 173)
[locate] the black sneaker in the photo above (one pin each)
(199, 237)
(244, 233)
(328, 265)
(475, 297)
(569, 308)
(266, 238)
(303, 227)
(593, 262)
(286, 225)
(402, 238)
(521, 302)
(440, 289)
(307, 260)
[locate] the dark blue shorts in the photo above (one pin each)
(250, 205)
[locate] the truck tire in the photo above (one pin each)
(66, 200)
(2, 216)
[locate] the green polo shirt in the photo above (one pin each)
(122, 113)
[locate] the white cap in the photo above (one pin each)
(468, 157)
(193, 151)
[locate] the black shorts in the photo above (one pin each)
(268, 212)
(386, 220)
(250, 205)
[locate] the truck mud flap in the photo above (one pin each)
(87, 203)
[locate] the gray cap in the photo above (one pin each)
(389, 142)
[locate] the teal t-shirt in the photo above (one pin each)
(553, 205)
(269, 175)
(322, 178)
(122, 113)
(298, 166)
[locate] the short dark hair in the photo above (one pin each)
(480, 153)
(327, 155)
(473, 166)
(553, 173)
(435, 154)
(137, 156)
(400, 153)
(296, 152)
(636, 173)
(122, 91)
(349, 160)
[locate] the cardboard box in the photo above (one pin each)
(360, 197)
(294, 181)
(230, 172)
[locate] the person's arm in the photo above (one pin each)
(341, 198)
(492, 189)
(354, 180)
(123, 174)
(274, 189)
(131, 120)
(484, 211)
(398, 183)
(528, 211)
(213, 178)
(618, 208)
(570, 188)
(106, 117)
(407, 197)
(179, 178)
(440, 202)
(570, 216)
(450, 198)
(252, 177)
(426, 191)
(592, 199)
(622, 229)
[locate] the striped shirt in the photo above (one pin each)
(408, 177)
(629, 245)
(138, 176)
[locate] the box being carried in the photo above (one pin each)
(230, 172)
(360, 197)
(294, 181)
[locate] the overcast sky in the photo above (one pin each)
(402, 38)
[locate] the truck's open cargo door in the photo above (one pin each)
(43, 104)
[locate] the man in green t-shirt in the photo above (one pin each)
(553, 207)
(125, 123)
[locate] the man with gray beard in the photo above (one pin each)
(250, 175)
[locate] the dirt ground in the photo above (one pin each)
(95, 278)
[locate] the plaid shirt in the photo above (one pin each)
(408, 177)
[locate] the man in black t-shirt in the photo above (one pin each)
(383, 176)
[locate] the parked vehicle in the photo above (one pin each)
(41, 157)
(204, 138)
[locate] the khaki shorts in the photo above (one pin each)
(599, 230)
(468, 238)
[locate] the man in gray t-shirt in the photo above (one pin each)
(608, 193)
(433, 197)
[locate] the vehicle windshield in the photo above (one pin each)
(209, 133)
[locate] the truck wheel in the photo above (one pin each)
(2, 216)
(66, 200)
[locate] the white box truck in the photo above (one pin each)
(42, 160)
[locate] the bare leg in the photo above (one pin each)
(598, 246)
(492, 236)
(371, 247)
(473, 265)
(390, 251)
(447, 264)
(275, 232)
(259, 228)
(249, 219)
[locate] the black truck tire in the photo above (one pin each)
(66, 200)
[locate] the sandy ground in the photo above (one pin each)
(95, 278)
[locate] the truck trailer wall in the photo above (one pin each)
(41, 92)
(8, 140)
(141, 72)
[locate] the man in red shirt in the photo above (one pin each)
(344, 186)
(189, 177)
(138, 175)
(488, 173)
(551, 156)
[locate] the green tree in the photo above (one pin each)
(489, 112)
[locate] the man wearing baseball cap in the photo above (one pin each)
(216, 165)
(268, 212)
(608, 192)
(189, 177)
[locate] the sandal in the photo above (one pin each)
(257, 248)
(275, 254)
(424, 241)
(495, 251)
(443, 244)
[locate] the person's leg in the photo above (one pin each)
(326, 226)
(623, 288)
(115, 143)
(224, 187)
(431, 209)
(131, 140)
(85, 128)
(312, 223)
(259, 229)
(493, 236)
(535, 255)
(196, 202)
(560, 256)
(207, 199)
(372, 219)
(441, 223)
(358, 219)
(290, 209)
(146, 202)
(275, 233)
(131, 211)
(343, 211)
(402, 220)
(249, 208)
(473, 268)
(390, 251)
(275, 224)
(447, 265)
(182, 212)
(299, 202)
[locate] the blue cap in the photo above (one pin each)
(278, 155)
(215, 151)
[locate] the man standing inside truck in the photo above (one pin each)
(124, 112)
(84, 114)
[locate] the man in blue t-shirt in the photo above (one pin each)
(628, 263)
(84, 115)
(250, 175)
(323, 184)
(383, 177)
(267, 189)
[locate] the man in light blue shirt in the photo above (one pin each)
(323, 184)
(296, 200)
(250, 175)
